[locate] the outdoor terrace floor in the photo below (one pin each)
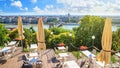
(16, 60)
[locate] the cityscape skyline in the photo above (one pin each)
(59, 7)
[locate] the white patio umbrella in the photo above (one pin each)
(105, 54)
(20, 29)
(41, 36)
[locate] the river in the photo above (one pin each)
(65, 26)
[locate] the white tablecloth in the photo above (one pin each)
(118, 54)
(61, 48)
(12, 43)
(88, 54)
(71, 64)
(33, 46)
(63, 54)
(33, 54)
(5, 49)
(32, 60)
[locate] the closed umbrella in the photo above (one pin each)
(105, 54)
(40, 35)
(20, 29)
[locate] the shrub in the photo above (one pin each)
(25, 50)
(3, 35)
(113, 60)
(30, 37)
(13, 34)
(59, 35)
(47, 38)
(76, 54)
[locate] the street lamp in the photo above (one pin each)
(51, 33)
(70, 34)
(93, 37)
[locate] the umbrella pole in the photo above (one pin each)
(22, 44)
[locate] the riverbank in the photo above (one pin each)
(65, 26)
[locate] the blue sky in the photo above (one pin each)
(58, 7)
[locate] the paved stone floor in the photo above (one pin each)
(16, 60)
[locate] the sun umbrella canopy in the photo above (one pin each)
(20, 28)
(105, 54)
(40, 35)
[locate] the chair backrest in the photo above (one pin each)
(26, 64)
(55, 48)
(14, 48)
(5, 44)
(24, 57)
(66, 48)
(17, 44)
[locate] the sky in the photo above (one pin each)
(59, 7)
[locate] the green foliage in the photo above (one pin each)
(58, 30)
(3, 35)
(76, 54)
(25, 50)
(47, 38)
(32, 29)
(59, 35)
(62, 37)
(89, 25)
(113, 60)
(116, 40)
(74, 20)
(52, 20)
(30, 37)
(13, 34)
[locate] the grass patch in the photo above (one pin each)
(77, 54)
(57, 51)
(2, 46)
(97, 53)
(113, 60)
(25, 50)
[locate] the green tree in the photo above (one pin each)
(116, 40)
(30, 37)
(89, 25)
(3, 35)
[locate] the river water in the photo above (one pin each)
(66, 26)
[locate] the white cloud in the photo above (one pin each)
(90, 6)
(37, 9)
(47, 10)
(16, 4)
(33, 1)
(26, 9)
(49, 6)
(75, 7)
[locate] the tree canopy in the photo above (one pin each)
(3, 35)
(89, 26)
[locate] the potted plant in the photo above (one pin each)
(83, 47)
(61, 44)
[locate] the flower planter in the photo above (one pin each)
(61, 44)
(83, 47)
